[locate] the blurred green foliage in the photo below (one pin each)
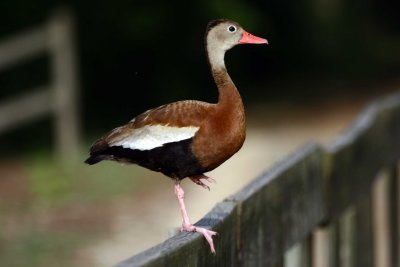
(55, 184)
(65, 208)
(41, 248)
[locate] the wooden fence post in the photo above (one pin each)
(65, 84)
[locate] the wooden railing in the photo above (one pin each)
(323, 206)
(55, 39)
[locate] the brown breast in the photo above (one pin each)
(223, 132)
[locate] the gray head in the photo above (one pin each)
(221, 35)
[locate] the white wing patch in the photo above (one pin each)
(152, 136)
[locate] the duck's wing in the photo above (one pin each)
(154, 128)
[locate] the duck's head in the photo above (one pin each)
(226, 34)
(222, 34)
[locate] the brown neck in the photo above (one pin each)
(228, 93)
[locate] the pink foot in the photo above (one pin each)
(208, 234)
(186, 225)
(197, 180)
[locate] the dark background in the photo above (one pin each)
(135, 55)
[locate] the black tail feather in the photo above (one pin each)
(93, 159)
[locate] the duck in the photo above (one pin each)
(186, 139)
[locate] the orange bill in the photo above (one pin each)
(248, 38)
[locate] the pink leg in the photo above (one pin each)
(186, 225)
(197, 180)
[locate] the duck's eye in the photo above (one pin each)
(231, 28)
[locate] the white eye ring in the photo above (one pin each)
(231, 28)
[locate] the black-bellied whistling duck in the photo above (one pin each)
(187, 138)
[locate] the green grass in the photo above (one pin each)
(60, 184)
(68, 207)
(32, 247)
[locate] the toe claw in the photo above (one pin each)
(197, 180)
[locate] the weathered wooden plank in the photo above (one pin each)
(355, 157)
(280, 208)
(22, 46)
(394, 213)
(191, 249)
(23, 109)
(364, 246)
(347, 238)
(355, 235)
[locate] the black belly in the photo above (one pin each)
(175, 159)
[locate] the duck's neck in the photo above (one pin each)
(228, 93)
